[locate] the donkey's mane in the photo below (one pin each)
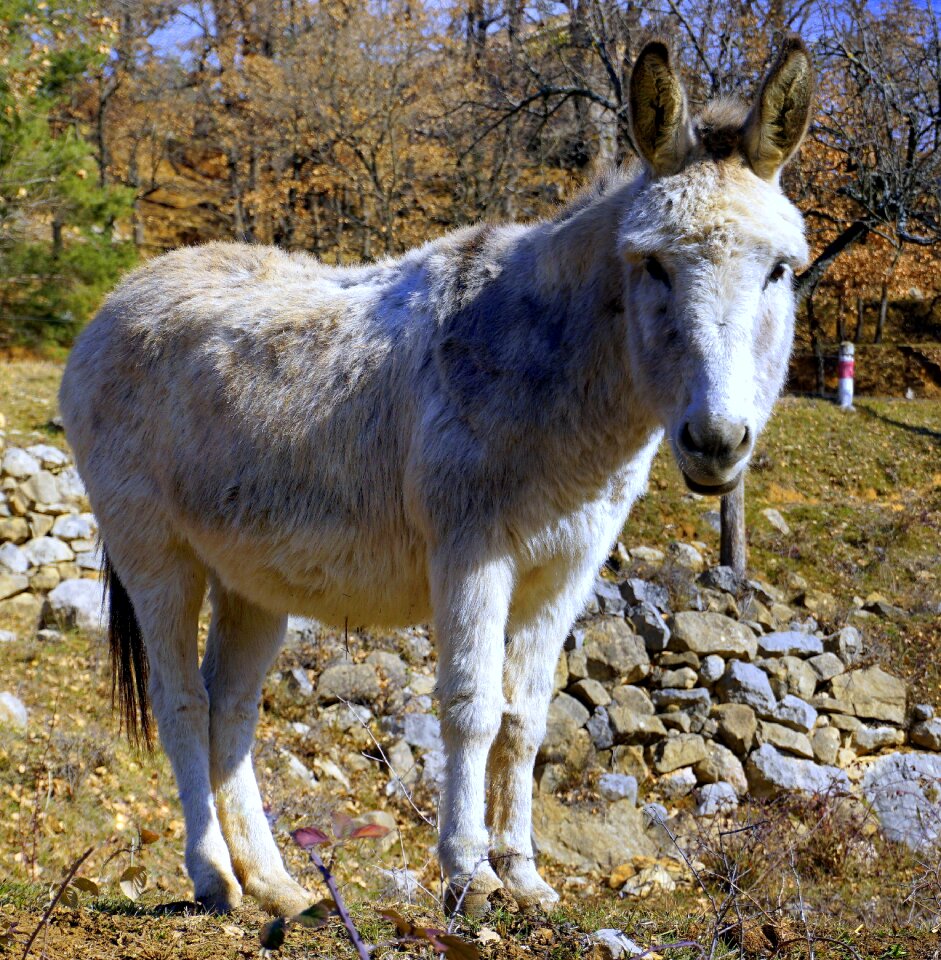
(719, 135)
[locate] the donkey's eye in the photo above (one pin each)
(655, 268)
(776, 273)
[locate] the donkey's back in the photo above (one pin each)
(255, 407)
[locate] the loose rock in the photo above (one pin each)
(770, 771)
(706, 633)
(871, 693)
(905, 790)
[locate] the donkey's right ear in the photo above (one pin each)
(659, 119)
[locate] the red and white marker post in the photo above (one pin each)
(845, 371)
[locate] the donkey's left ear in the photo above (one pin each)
(778, 121)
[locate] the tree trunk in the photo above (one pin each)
(883, 311)
(860, 320)
(732, 551)
(816, 342)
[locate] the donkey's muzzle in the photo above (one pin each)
(712, 452)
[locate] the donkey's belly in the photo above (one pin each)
(365, 583)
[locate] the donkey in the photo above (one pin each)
(456, 436)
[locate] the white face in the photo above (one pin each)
(709, 257)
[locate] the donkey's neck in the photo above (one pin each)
(576, 267)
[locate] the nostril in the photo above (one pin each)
(745, 442)
(687, 441)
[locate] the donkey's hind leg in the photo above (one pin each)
(166, 599)
(243, 641)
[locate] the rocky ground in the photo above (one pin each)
(711, 741)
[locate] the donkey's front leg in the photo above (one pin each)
(536, 632)
(471, 604)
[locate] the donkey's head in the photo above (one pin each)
(710, 245)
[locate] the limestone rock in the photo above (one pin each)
(712, 669)
(591, 693)
(43, 550)
(297, 681)
(775, 518)
(716, 798)
(48, 455)
(13, 712)
(927, 734)
(685, 555)
(789, 643)
(629, 726)
(608, 596)
(721, 578)
(799, 676)
(566, 716)
(618, 786)
(654, 879)
(679, 783)
(747, 684)
(826, 666)
(14, 530)
(706, 633)
(391, 667)
(737, 726)
(826, 744)
(720, 764)
(770, 771)
(422, 730)
(13, 559)
(76, 604)
(18, 463)
(846, 644)
(871, 693)
(683, 679)
(599, 729)
(905, 792)
(650, 626)
(795, 713)
(615, 944)
(784, 738)
(71, 488)
(74, 526)
(41, 487)
(356, 682)
(681, 751)
(12, 584)
(696, 701)
(584, 839)
(613, 651)
(868, 739)
(638, 592)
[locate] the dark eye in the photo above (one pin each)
(776, 274)
(655, 268)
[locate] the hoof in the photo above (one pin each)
(220, 898)
(285, 899)
(524, 884)
(535, 896)
(470, 894)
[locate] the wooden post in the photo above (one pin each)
(732, 544)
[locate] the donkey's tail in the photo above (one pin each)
(128, 661)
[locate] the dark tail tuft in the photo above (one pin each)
(128, 661)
